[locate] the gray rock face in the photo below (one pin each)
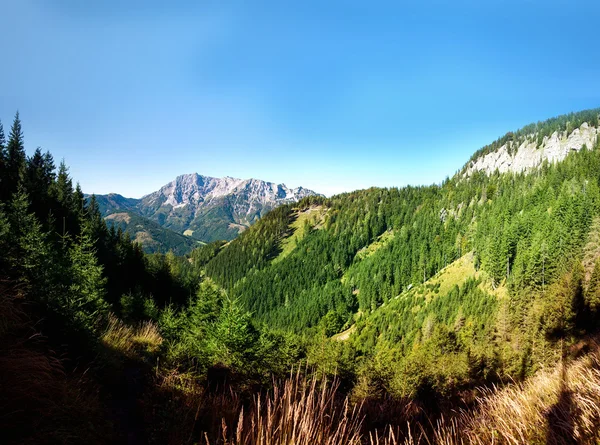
(194, 188)
(215, 208)
(246, 195)
(206, 208)
(528, 156)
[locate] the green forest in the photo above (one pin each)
(414, 299)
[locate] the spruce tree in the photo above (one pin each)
(30, 253)
(233, 337)
(592, 294)
(564, 306)
(63, 187)
(39, 177)
(3, 177)
(2, 140)
(85, 299)
(5, 240)
(78, 200)
(15, 159)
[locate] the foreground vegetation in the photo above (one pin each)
(418, 315)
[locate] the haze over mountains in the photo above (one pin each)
(200, 207)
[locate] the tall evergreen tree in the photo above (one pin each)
(29, 255)
(15, 158)
(62, 193)
(593, 291)
(63, 188)
(39, 177)
(2, 160)
(564, 304)
(78, 200)
(2, 140)
(86, 292)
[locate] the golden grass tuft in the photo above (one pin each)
(298, 412)
(131, 341)
(555, 407)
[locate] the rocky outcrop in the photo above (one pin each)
(246, 195)
(207, 208)
(529, 155)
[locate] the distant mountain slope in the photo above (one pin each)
(151, 235)
(206, 208)
(527, 148)
(114, 202)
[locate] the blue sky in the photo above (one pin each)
(334, 95)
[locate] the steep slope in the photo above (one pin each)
(215, 208)
(497, 317)
(206, 208)
(151, 235)
(113, 202)
(529, 147)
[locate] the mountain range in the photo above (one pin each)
(201, 208)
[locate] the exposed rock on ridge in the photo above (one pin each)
(528, 155)
(248, 194)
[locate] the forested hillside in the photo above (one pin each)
(368, 267)
(395, 309)
(150, 235)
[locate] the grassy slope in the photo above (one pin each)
(313, 216)
(455, 274)
(381, 241)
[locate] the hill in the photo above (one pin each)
(529, 147)
(150, 235)
(375, 260)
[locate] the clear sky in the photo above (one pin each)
(330, 95)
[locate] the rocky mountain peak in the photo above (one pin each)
(193, 189)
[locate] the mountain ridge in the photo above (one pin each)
(527, 148)
(204, 207)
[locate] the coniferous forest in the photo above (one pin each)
(461, 312)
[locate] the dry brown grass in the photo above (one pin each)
(556, 407)
(131, 341)
(298, 412)
(561, 406)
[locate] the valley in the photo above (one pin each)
(244, 312)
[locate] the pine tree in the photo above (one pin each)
(3, 177)
(15, 159)
(85, 300)
(63, 187)
(30, 254)
(592, 294)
